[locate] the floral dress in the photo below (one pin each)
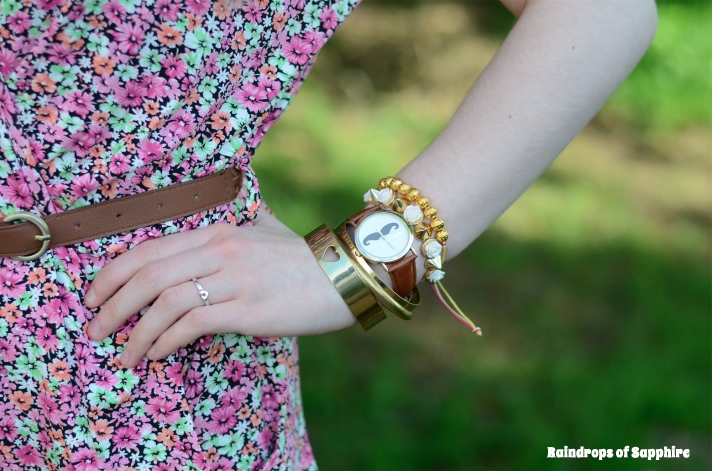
(101, 99)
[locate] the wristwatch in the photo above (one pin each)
(385, 296)
(385, 238)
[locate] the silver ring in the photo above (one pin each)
(203, 293)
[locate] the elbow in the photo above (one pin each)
(646, 22)
(631, 22)
(638, 18)
(637, 22)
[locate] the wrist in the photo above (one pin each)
(388, 247)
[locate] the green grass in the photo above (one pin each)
(593, 289)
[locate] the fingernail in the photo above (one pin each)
(151, 351)
(90, 297)
(93, 330)
(125, 357)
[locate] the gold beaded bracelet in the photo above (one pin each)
(414, 207)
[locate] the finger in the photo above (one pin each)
(120, 270)
(170, 306)
(199, 321)
(147, 284)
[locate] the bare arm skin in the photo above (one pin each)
(555, 70)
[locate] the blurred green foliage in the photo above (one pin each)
(593, 289)
(670, 89)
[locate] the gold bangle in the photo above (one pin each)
(345, 278)
(388, 298)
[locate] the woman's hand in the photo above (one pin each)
(263, 281)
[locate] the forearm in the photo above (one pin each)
(557, 67)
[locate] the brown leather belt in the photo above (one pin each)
(30, 239)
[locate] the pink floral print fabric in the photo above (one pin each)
(101, 99)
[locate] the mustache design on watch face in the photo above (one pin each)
(376, 235)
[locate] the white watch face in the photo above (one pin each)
(383, 237)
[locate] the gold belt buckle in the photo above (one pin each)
(44, 237)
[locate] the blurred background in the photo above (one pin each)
(593, 289)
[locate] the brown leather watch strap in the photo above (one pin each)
(122, 214)
(402, 274)
(359, 216)
(403, 271)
